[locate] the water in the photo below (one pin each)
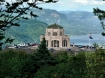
(84, 39)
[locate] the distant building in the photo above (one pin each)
(55, 37)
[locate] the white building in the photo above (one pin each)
(55, 37)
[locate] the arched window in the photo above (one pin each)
(54, 33)
(64, 43)
(55, 43)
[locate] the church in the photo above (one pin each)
(55, 37)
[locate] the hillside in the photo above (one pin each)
(28, 32)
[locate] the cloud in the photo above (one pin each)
(81, 1)
(90, 2)
(73, 5)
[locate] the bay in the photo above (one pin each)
(84, 39)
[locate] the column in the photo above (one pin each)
(62, 43)
(68, 43)
(49, 43)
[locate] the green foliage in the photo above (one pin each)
(43, 55)
(45, 72)
(42, 48)
(7, 63)
(28, 32)
(101, 15)
(96, 45)
(79, 64)
(95, 64)
(63, 56)
(19, 64)
(75, 67)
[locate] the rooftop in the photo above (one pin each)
(55, 26)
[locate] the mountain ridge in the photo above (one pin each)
(73, 22)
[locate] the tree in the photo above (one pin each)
(42, 48)
(11, 13)
(43, 56)
(101, 15)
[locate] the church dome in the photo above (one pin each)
(55, 26)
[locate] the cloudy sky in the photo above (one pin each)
(65, 5)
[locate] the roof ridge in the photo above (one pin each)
(55, 26)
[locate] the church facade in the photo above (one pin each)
(55, 37)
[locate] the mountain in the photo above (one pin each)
(85, 21)
(29, 31)
(65, 12)
(74, 22)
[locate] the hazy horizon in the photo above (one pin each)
(74, 5)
